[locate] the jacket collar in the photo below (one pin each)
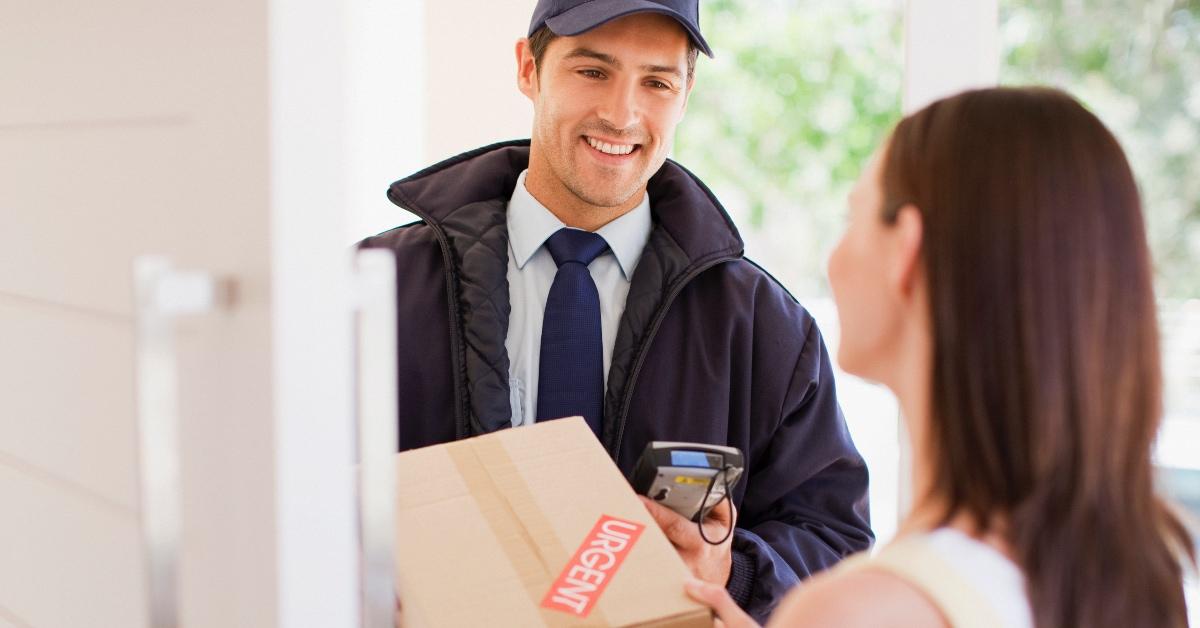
(680, 203)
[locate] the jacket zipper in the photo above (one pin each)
(659, 316)
(461, 423)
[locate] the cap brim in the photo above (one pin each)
(589, 15)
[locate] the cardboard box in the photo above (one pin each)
(533, 526)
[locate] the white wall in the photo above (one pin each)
(199, 131)
(428, 80)
(128, 127)
(386, 108)
(471, 75)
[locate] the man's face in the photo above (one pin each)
(606, 104)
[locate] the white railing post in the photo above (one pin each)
(161, 294)
(375, 292)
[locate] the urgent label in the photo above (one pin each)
(594, 565)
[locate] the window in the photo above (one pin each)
(779, 124)
(801, 91)
(1136, 64)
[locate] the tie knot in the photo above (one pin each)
(573, 245)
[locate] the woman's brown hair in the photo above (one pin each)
(1046, 383)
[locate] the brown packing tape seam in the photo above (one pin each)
(511, 530)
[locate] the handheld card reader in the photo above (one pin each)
(689, 478)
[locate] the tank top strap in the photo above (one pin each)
(917, 563)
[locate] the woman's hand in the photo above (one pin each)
(717, 598)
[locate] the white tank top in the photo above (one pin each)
(972, 584)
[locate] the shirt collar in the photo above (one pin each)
(530, 224)
(627, 236)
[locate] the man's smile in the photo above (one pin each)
(610, 151)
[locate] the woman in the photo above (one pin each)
(995, 276)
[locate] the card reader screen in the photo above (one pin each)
(689, 459)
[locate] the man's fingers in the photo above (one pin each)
(723, 513)
(672, 523)
(718, 599)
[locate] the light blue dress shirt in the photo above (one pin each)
(531, 270)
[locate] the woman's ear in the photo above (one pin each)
(909, 232)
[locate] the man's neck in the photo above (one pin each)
(569, 208)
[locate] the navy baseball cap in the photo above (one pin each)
(572, 17)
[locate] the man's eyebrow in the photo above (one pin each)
(592, 54)
(663, 69)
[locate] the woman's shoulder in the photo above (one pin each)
(942, 577)
(864, 596)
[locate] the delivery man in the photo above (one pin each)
(581, 272)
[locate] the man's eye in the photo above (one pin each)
(592, 73)
(658, 85)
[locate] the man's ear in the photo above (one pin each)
(527, 75)
(909, 233)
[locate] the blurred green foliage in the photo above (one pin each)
(801, 92)
(1136, 64)
(782, 120)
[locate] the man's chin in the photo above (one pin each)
(606, 199)
(608, 193)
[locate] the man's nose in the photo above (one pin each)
(620, 107)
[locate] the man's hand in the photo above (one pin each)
(710, 563)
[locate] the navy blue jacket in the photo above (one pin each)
(710, 348)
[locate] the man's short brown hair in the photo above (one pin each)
(540, 41)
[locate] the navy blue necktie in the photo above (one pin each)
(571, 369)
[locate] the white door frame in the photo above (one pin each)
(949, 46)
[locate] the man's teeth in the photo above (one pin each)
(611, 149)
